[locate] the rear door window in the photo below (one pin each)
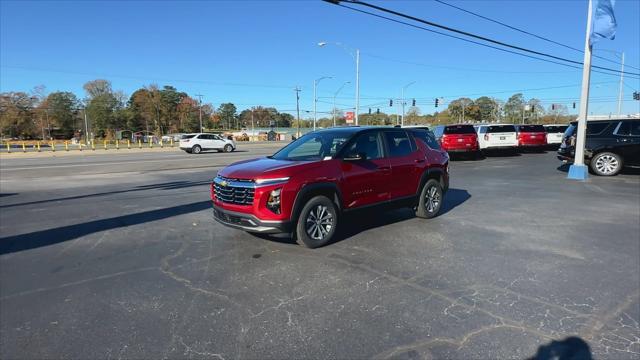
(427, 137)
(459, 129)
(555, 129)
(595, 128)
(635, 128)
(501, 128)
(368, 144)
(398, 143)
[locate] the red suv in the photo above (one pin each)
(306, 187)
(531, 135)
(458, 138)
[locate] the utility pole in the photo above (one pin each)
(621, 91)
(200, 110)
(297, 90)
(86, 127)
(357, 84)
(253, 133)
(403, 103)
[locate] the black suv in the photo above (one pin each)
(610, 145)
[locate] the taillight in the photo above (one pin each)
(185, 140)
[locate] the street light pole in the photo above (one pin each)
(403, 88)
(200, 110)
(356, 56)
(621, 84)
(334, 101)
(315, 99)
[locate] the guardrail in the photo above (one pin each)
(53, 146)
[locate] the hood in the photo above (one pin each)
(261, 167)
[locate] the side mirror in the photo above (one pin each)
(355, 157)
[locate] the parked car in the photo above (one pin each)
(555, 132)
(305, 188)
(610, 145)
(531, 136)
(497, 136)
(459, 138)
(199, 142)
(169, 137)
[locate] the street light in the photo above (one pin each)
(355, 57)
(315, 99)
(334, 101)
(403, 88)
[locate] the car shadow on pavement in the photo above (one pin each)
(571, 348)
(161, 186)
(363, 220)
(501, 153)
(625, 170)
(36, 239)
(7, 194)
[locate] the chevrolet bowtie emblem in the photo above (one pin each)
(224, 183)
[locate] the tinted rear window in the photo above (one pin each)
(501, 128)
(427, 137)
(459, 129)
(556, 129)
(531, 128)
(594, 128)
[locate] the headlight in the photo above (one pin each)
(271, 181)
(273, 202)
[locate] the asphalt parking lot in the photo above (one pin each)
(118, 257)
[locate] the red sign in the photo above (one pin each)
(349, 117)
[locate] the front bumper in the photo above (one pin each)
(250, 223)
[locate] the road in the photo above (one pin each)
(117, 256)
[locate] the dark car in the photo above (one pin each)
(610, 145)
(306, 187)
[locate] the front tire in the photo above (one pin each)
(196, 149)
(431, 198)
(228, 148)
(317, 222)
(606, 164)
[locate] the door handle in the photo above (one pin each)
(418, 161)
(384, 169)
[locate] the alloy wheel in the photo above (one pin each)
(607, 164)
(319, 222)
(432, 200)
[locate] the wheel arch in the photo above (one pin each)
(328, 189)
(428, 174)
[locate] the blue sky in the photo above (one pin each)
(256, 52)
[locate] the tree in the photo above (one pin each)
(97, 87)
(227, 113)
(16, 114)
(487, 108)
(61, 107)
(458, 108)
(514, 107)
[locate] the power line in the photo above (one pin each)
(465, 33)
(527, 32)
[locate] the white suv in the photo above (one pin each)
(197, 143)
(555, 132)
(497, 136)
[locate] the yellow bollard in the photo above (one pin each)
(139, 144)
(150, 143)
(53, 146)
(128, 144)
(171, 141)
(79, 146)
(8, 147)
(24, 147)
(117, 144)
(105, 144)
(38, 146)
(66, 146)
(161, 143)
(93, 144)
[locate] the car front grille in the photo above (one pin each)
(234, 191)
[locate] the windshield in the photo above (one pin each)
(313, 146)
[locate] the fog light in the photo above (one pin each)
(273, 203)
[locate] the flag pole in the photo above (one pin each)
(578, 171)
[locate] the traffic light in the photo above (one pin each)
(574, 104)
(378, 111)
(553, 106)
(413, 103)
(437, 102)
(636, 95)
(390, 102)
(369, 111)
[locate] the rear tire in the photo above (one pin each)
(317, 222)
(228, 148)
(196, 149)
(430, 201)
(606, 164)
